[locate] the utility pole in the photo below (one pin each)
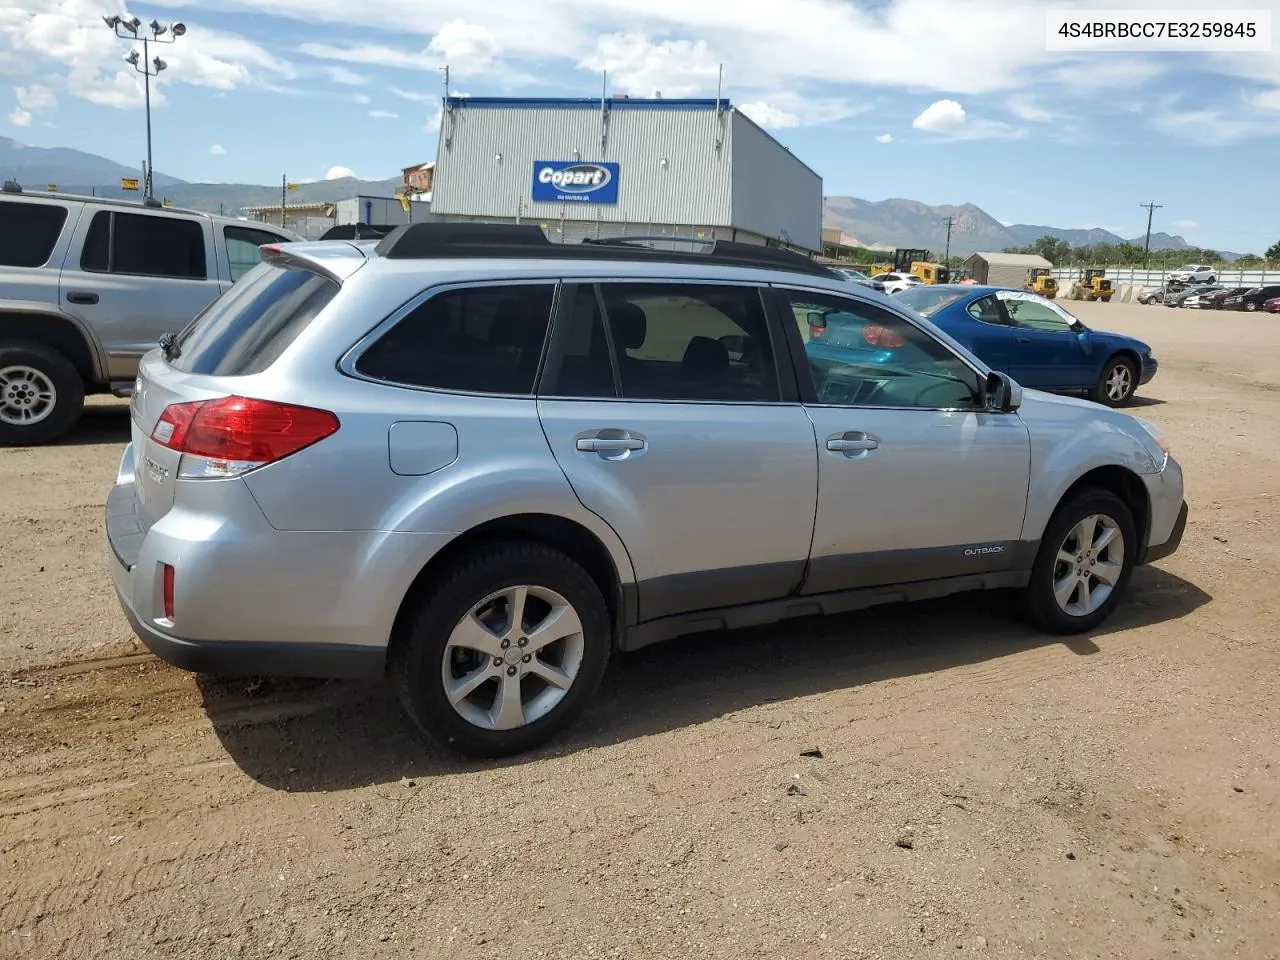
(284, 187)
(1151, 208)
(946, 257)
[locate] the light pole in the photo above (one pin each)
(146, 65)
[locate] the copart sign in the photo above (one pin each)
(575, 181)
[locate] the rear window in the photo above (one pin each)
(29, 232)
(246, 330)
(928, 300)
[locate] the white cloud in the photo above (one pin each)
(947, 118)
(346, 77)
(1266, 100)
(769, 117)
(339, 173)
(417, 96)
(360, 98)
(218, 150)
(636, 65)
(1215, 127)
(19, 117)
(884, 138)
(1185, 224)
(468, 46)
(384, 115)
(36, 98)
(1025, 108)
(941, 116)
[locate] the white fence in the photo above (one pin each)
(1156, 278)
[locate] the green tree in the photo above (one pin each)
(1273, 251)
(1248, 260)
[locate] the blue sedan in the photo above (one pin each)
(1036, 341)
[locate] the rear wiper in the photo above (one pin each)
(169, 347)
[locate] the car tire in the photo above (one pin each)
(41, 394)
(431, 650)
(1118, 382)
(1068, 592)
(1250, 306)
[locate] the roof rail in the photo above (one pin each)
(505, 240)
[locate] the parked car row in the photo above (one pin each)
(1211, 296)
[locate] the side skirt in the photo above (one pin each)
(822, 604)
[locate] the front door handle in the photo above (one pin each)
(81, 296)
(854, 442)
(1024, 339)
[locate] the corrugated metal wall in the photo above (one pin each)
(693, 186)
(575, 231)
(774, 194)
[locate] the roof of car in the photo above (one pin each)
(119, 202)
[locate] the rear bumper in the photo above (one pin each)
(236, 659)
(253, 600)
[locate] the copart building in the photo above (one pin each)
(621, 166)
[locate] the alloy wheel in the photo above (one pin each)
(514, 656)
(27, 396)
(1119, 382)
(1088, 566)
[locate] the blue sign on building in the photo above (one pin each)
(575, 181)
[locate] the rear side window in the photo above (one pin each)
(477, 340)
(146, 246)
(29, 232)
(246, 330)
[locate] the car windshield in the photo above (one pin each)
(928, 300)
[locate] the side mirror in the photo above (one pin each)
(1082, 337)
(1003, 394)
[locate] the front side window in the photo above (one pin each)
(144, 245)
(861, 355)
(689, 341)
(29, 232)
(472, 339)
(1030, 314)
(243, 253)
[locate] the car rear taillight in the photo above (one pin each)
(882, 337)
(816, 330)
(167, 578)
(232, 435)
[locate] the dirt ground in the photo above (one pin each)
(979, 789)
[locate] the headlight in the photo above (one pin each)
(1159, 439)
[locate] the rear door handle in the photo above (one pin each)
(608, 444)
(611, 444)
(854, 441)
(1024, 339)
(80, 296)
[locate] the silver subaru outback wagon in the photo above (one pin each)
(478, 464)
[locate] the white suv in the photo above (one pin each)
(1194, 273)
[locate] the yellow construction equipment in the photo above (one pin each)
(1040, 280)
(930, 272)
(1094, 285)
(904, 258)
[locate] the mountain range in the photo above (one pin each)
(909, 223)
(882, 224)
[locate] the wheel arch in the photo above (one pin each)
(559, 533)
(1125, 484)
(56, 331)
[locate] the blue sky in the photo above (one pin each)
(937, 101)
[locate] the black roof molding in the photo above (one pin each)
(418, 241)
